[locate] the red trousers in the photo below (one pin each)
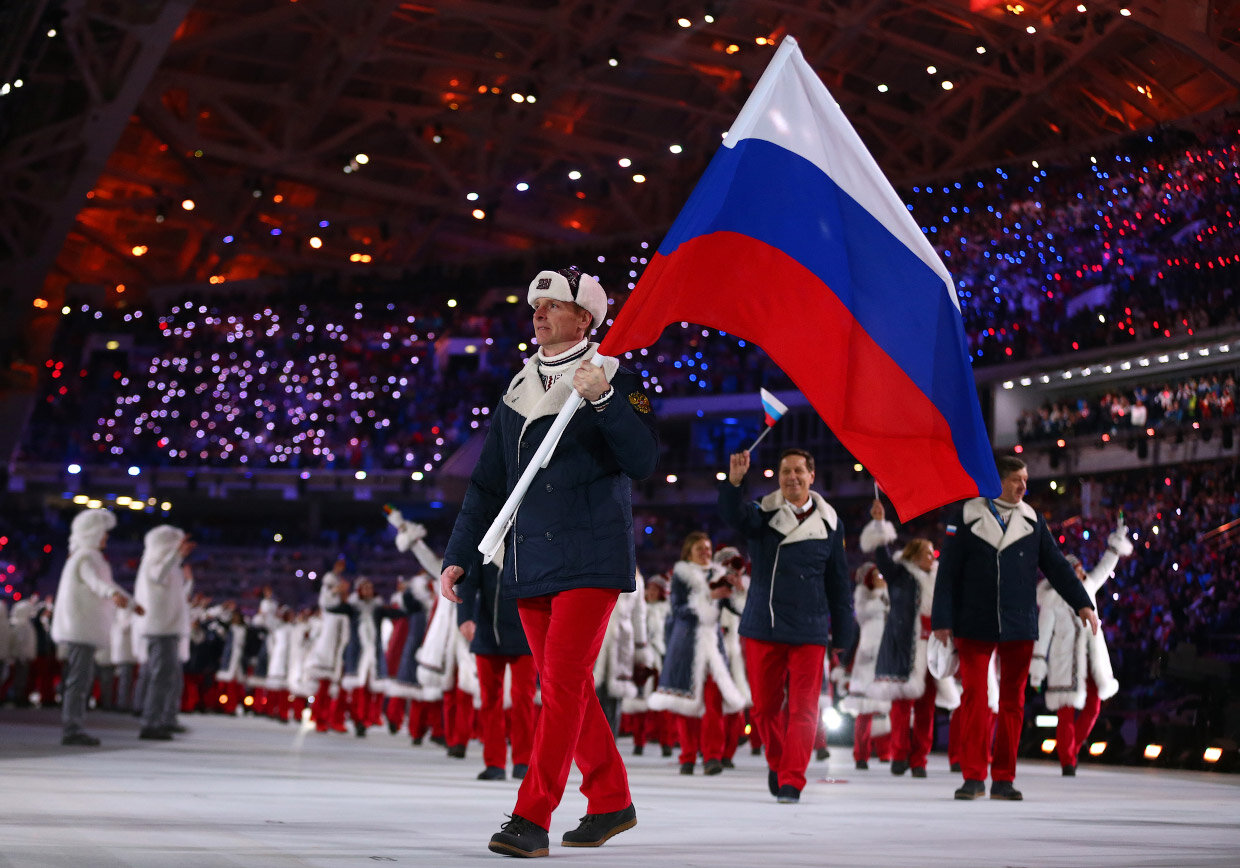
(913, 745)
(458, 717)
(776, 670)
(975, 713)
(705, 733)
(191, 695)
(363, 705)
(866, 744)
(228, 695)
(328, 714)
(394, 711)
(426, 717)
(653, 726)
(565, 632)
(733, 727)
(1074, 727)
(518, 723)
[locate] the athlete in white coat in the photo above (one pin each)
(160, 588)
(81, 621)
(1072, 661)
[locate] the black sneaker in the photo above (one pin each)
(415, 740)
(519, 770)
(637, 749)
(955, 767)
(918, 771)
(457, 751)
(491, 773)
(1069, 771)
(686, 768)
(359, 729)
(755, 749)
(772, 781)
(80, 738)
(899, 767)
(393, 728)
(727, 763)
(519, 837)
(155, 733)
(1005, 791)
(595, 829)
(862, 765)
(822, 753)
(712, 767)
(788, 795)
(667, 750)
(971, 790)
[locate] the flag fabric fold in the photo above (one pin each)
(793, 239)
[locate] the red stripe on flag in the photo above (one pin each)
(735, 283)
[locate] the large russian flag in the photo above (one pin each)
(794, 240)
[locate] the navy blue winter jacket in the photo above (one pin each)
(799, 592)
(574, 528)
(988, 575)
(497, 624)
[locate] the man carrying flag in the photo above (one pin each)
(569, 553)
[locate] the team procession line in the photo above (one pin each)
(248, 792)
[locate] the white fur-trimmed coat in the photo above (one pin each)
(657, 614)
(694, 644)
(731, 623)
(444, 658)
(326, 657)
(875, 537)
(625, 645)
(1067, 652)
(871, 605)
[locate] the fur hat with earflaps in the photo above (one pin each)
(569, 284)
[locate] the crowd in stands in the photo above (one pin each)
(308, 372)
(1200, 399)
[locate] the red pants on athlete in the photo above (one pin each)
(775, 668)
(975, 713)
(705, 733)
(565, 632)
(912, 727)
(1074, 726)
(517, 724)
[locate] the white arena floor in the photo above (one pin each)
(249, 792)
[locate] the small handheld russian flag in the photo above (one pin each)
(773, 409)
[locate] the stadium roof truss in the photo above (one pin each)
(157, 142)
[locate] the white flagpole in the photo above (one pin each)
(759, 440)
(494, 537)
